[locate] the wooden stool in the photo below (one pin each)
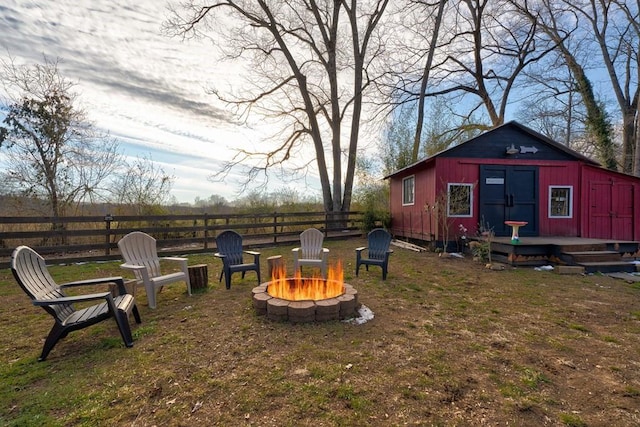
(275, 264)
(198, 276)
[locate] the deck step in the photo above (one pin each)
(598, 261)
(584, 247)
(608, 267)
(591, 256)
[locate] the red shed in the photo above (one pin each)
(514, 173)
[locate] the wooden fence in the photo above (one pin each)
(94, 238)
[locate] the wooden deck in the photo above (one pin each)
(603, 255)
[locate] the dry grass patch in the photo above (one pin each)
(451, 344)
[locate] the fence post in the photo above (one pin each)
(107, 220)
(326, 223)
(206, 231)
(275, 228)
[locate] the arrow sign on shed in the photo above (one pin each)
(525, 150)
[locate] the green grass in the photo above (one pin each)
(572, 420)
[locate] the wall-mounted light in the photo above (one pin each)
(512, 150)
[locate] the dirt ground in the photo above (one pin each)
(451, 343)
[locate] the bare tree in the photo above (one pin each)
(53, 153)
(312, 64)
(615, 27)
(395, 147)
(437, 22)
(490, 47)
(559, 22)
(556, 110)
(143, 187)
(214, 201)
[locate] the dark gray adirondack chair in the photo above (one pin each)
(30, 271)
(229, 244)
(378, 241)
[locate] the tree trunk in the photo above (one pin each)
(628, 140)
(636, 165)
(425, 80)
(597, 122)
(359, 54)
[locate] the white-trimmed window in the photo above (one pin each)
(460, 200)
(408, 190)
(560, 201)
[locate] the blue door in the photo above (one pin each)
(509, 193)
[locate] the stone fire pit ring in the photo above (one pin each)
(341, 307)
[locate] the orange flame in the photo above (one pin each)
(314, 288)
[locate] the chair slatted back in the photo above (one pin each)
(311, 241)
(30, 271)
(229, 244)
(140, 249)
(378, 241)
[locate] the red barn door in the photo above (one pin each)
(611, 210)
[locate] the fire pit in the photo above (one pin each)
(299, 300)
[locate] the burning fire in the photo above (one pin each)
(314, 288)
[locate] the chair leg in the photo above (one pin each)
(136, 314)
(187, 279)
(258, 271)
(227, 280)
(57, 332)
(151, 295)
(122, 321)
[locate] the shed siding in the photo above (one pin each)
(460, 171)
(605, 204)
(560, 174)
(417, 222)
(413, 221)
(550, 173)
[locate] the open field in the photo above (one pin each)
(451, 344)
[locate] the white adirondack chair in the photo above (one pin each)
(141, 256)
(311, 252)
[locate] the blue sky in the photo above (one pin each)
(145, 89)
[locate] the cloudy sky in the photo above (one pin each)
(144, 88)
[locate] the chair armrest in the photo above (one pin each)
(117, 280)
(325, 250)
(295, 250)
(72, 299)
(97, 281)
(132, 266)
(256, 256)
(219, 255)
(361, 249)
(141, 273)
